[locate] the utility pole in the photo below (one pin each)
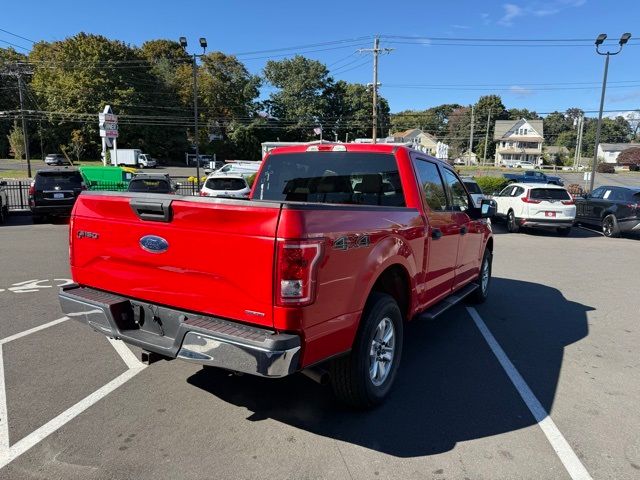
(25, 133)
(470, 137)
(376, 51)
(486, 139)
(578, 154)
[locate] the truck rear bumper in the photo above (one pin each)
(178, 334)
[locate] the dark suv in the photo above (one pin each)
(54, 191)
(151, 183)
(614, 209)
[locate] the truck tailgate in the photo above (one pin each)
(219, 257)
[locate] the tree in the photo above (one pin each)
(9, 99)
(484, 105)
(432, 120)
(518, 113)
(615, 130)
(567, 139)
(554, 124)
(77, 144)
(16, 141)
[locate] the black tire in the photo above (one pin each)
(350, 375)
(610, 226)
(512, 225)
(481, 294)
(38, 219)
(564, 231)
(4, 213)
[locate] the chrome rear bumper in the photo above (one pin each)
(177, 334)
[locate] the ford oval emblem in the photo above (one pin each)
(154, 244)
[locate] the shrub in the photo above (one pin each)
(491, 185)
(575, 189)
(251, 178)
(605, 168)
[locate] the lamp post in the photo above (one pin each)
(599, 41)
(203, 44)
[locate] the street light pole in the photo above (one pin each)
(599, 41)
(203, 44)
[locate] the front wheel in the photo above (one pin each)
(364, 378)
(610, 226)
(512, 224)
(484, 279)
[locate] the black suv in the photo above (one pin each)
(614, 209)
(151, 183)
(54, 191)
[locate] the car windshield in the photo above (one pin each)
(156, 186)
(473, 187)
(332, 177)
(549, 194)
(225, 184)
(63, 180)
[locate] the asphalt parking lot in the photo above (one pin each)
(540, 382)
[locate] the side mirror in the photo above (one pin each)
(488, 208)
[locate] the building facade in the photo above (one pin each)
(518, 142)
(609, 152)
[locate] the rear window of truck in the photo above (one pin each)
(354, 178)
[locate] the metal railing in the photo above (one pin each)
(18, 190)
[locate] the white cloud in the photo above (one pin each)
(520, 91)
(541, 8)
(511, 11)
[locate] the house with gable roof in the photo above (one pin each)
(518, 141)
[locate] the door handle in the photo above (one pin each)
(463, 230)
(436, 233)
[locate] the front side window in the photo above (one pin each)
(431, 183)
(598, 192)
(459, 197)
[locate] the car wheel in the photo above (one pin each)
(4, 213)
(610, 226)
(512, 225)
(564, 231)
(484, 279)
(364, 377)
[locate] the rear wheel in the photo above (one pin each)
(610, 226)
(4, 213)
(564, 231)
(512, 225)
(364, 378)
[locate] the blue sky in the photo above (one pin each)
(417, 74)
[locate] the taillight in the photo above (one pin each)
(32, 188)
(204, 194)
(568, 202)
(529, 200)
(296, 267)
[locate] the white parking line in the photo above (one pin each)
(127, 355)
(48, 428)
(33, 330)
(4, 419)
(567, 456)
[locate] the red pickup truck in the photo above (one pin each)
(337, 246)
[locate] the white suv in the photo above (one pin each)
(536, 205)
(218, 185)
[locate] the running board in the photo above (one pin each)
(444, 305)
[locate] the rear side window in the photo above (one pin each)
(472, 187)
(225, 184)
(432, 186)
(331, 177)
(45, 181)
(158, 186)
(549, 194)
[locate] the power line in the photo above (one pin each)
(14, 45)
(17, 36)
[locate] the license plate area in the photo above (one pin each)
(550, 214)
(58, 195)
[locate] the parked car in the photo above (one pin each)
(4, 201)
(245, 168)
(320, 274)
(225, 185)
(535, 205)
(54, 191)
(531, 176)
(56, 159)
(613, 209)
(151, 183)
(474, 190)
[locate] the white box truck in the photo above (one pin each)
(132, 157)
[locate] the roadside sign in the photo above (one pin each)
(109, 133)
(587, 176)
(108, 126)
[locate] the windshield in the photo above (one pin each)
(473, 187)
(157, 186)
(332, 177)
(225, 184)
(549, 194)
(71, 180)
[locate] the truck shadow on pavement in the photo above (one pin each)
(450, 388)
